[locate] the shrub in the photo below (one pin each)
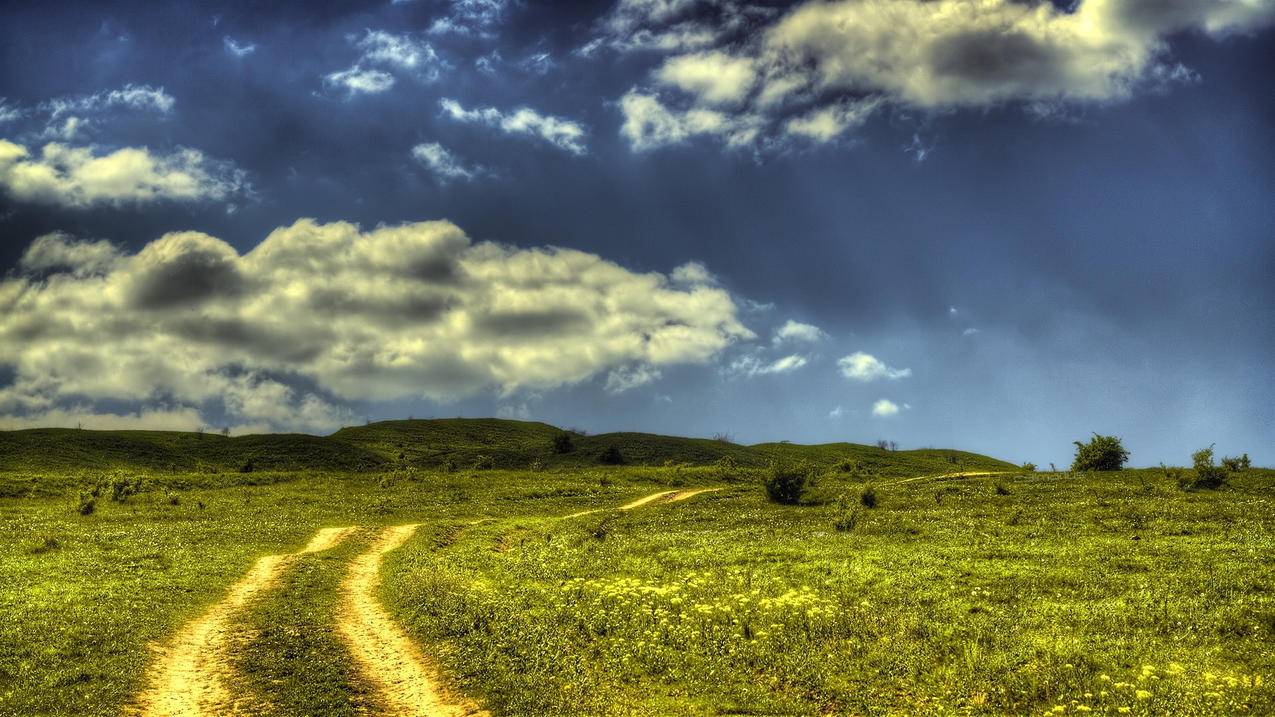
(1029, 467)
(723, 438)
(848, 465)
(847, 518)
(1235, 465)
(562, 443)
(789, 484)
(483, 463)
(868, 497)
(88, 504)
(1001, 488)
(1101, 453)
(1208, 475)
(247, 467)
(124, 488)
(610, 456)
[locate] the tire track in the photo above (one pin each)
(193, 676)
(407, 685)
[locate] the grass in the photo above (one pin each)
(1007, 594)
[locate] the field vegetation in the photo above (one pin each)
(898, 582)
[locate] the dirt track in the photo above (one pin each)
(192, 674)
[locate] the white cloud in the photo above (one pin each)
(358, 80)
(969, 332)
(750, 365)
(79, 177)
(836, 413)
(562, 133)
(860, 366)
(138, 98)
(793, 331)
(9, 112)
(443, 164)
(693, 272)
(626, 378)
(470, 17)
(399, 51)
(827, 123)
(183, 419)
(885, 407)
(416, 310)
(671, 25)
(237, 48)
(648, 124)
(715, 77)
(824, 67)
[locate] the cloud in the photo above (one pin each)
(184, 419)
(321, 315)
(885, 407)
(443, 164)
(822, 68)
(750, 365)
(137, 98)
(470, 17)
(562, 133)
(236, 48)
(9, 112)
(716, 77)
(627, 378)
(648, 124)
(671, 25)
(836, 413)
(358, 80)
(795, 331)
(79, 177)
(381, 52)
(860, 366)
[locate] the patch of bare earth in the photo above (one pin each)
(192, 676)
(406, 683)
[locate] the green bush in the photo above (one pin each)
(1101, 453)
(1208, 475)
(789, 484)
(610, 456)
(868, 497)
(1235, 465)
(1029, 467)
(124, 488)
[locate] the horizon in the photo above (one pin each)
(1043, 222)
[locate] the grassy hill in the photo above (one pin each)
(457, 442)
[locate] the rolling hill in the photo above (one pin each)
(434, 443)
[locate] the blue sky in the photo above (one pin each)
(997, 226)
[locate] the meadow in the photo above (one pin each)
(1012, 593)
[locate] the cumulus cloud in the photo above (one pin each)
(885, 407)
(671, 25)
(795, 331)
(562, 133)
(321, 315)
(442, 163)
(860, 366)
(236, 48)
(80, 177)
(822, 68)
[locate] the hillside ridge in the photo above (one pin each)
(457, 443)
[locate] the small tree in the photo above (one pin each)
(1236, 465)
(1207, 475)
(1101, 453)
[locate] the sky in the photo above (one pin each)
(992, 225)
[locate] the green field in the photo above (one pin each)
(1013, 593)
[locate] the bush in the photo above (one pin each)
(124, 488)
(848, 517)
(1029, 467)
(868, 497)
(1208, 476)
(1001, 488)
(1235, 465)
(88, 504)
(247, 467)
(483, 463)
(610, 456)
(562, 443)
(790, 484)
(1101, 453)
